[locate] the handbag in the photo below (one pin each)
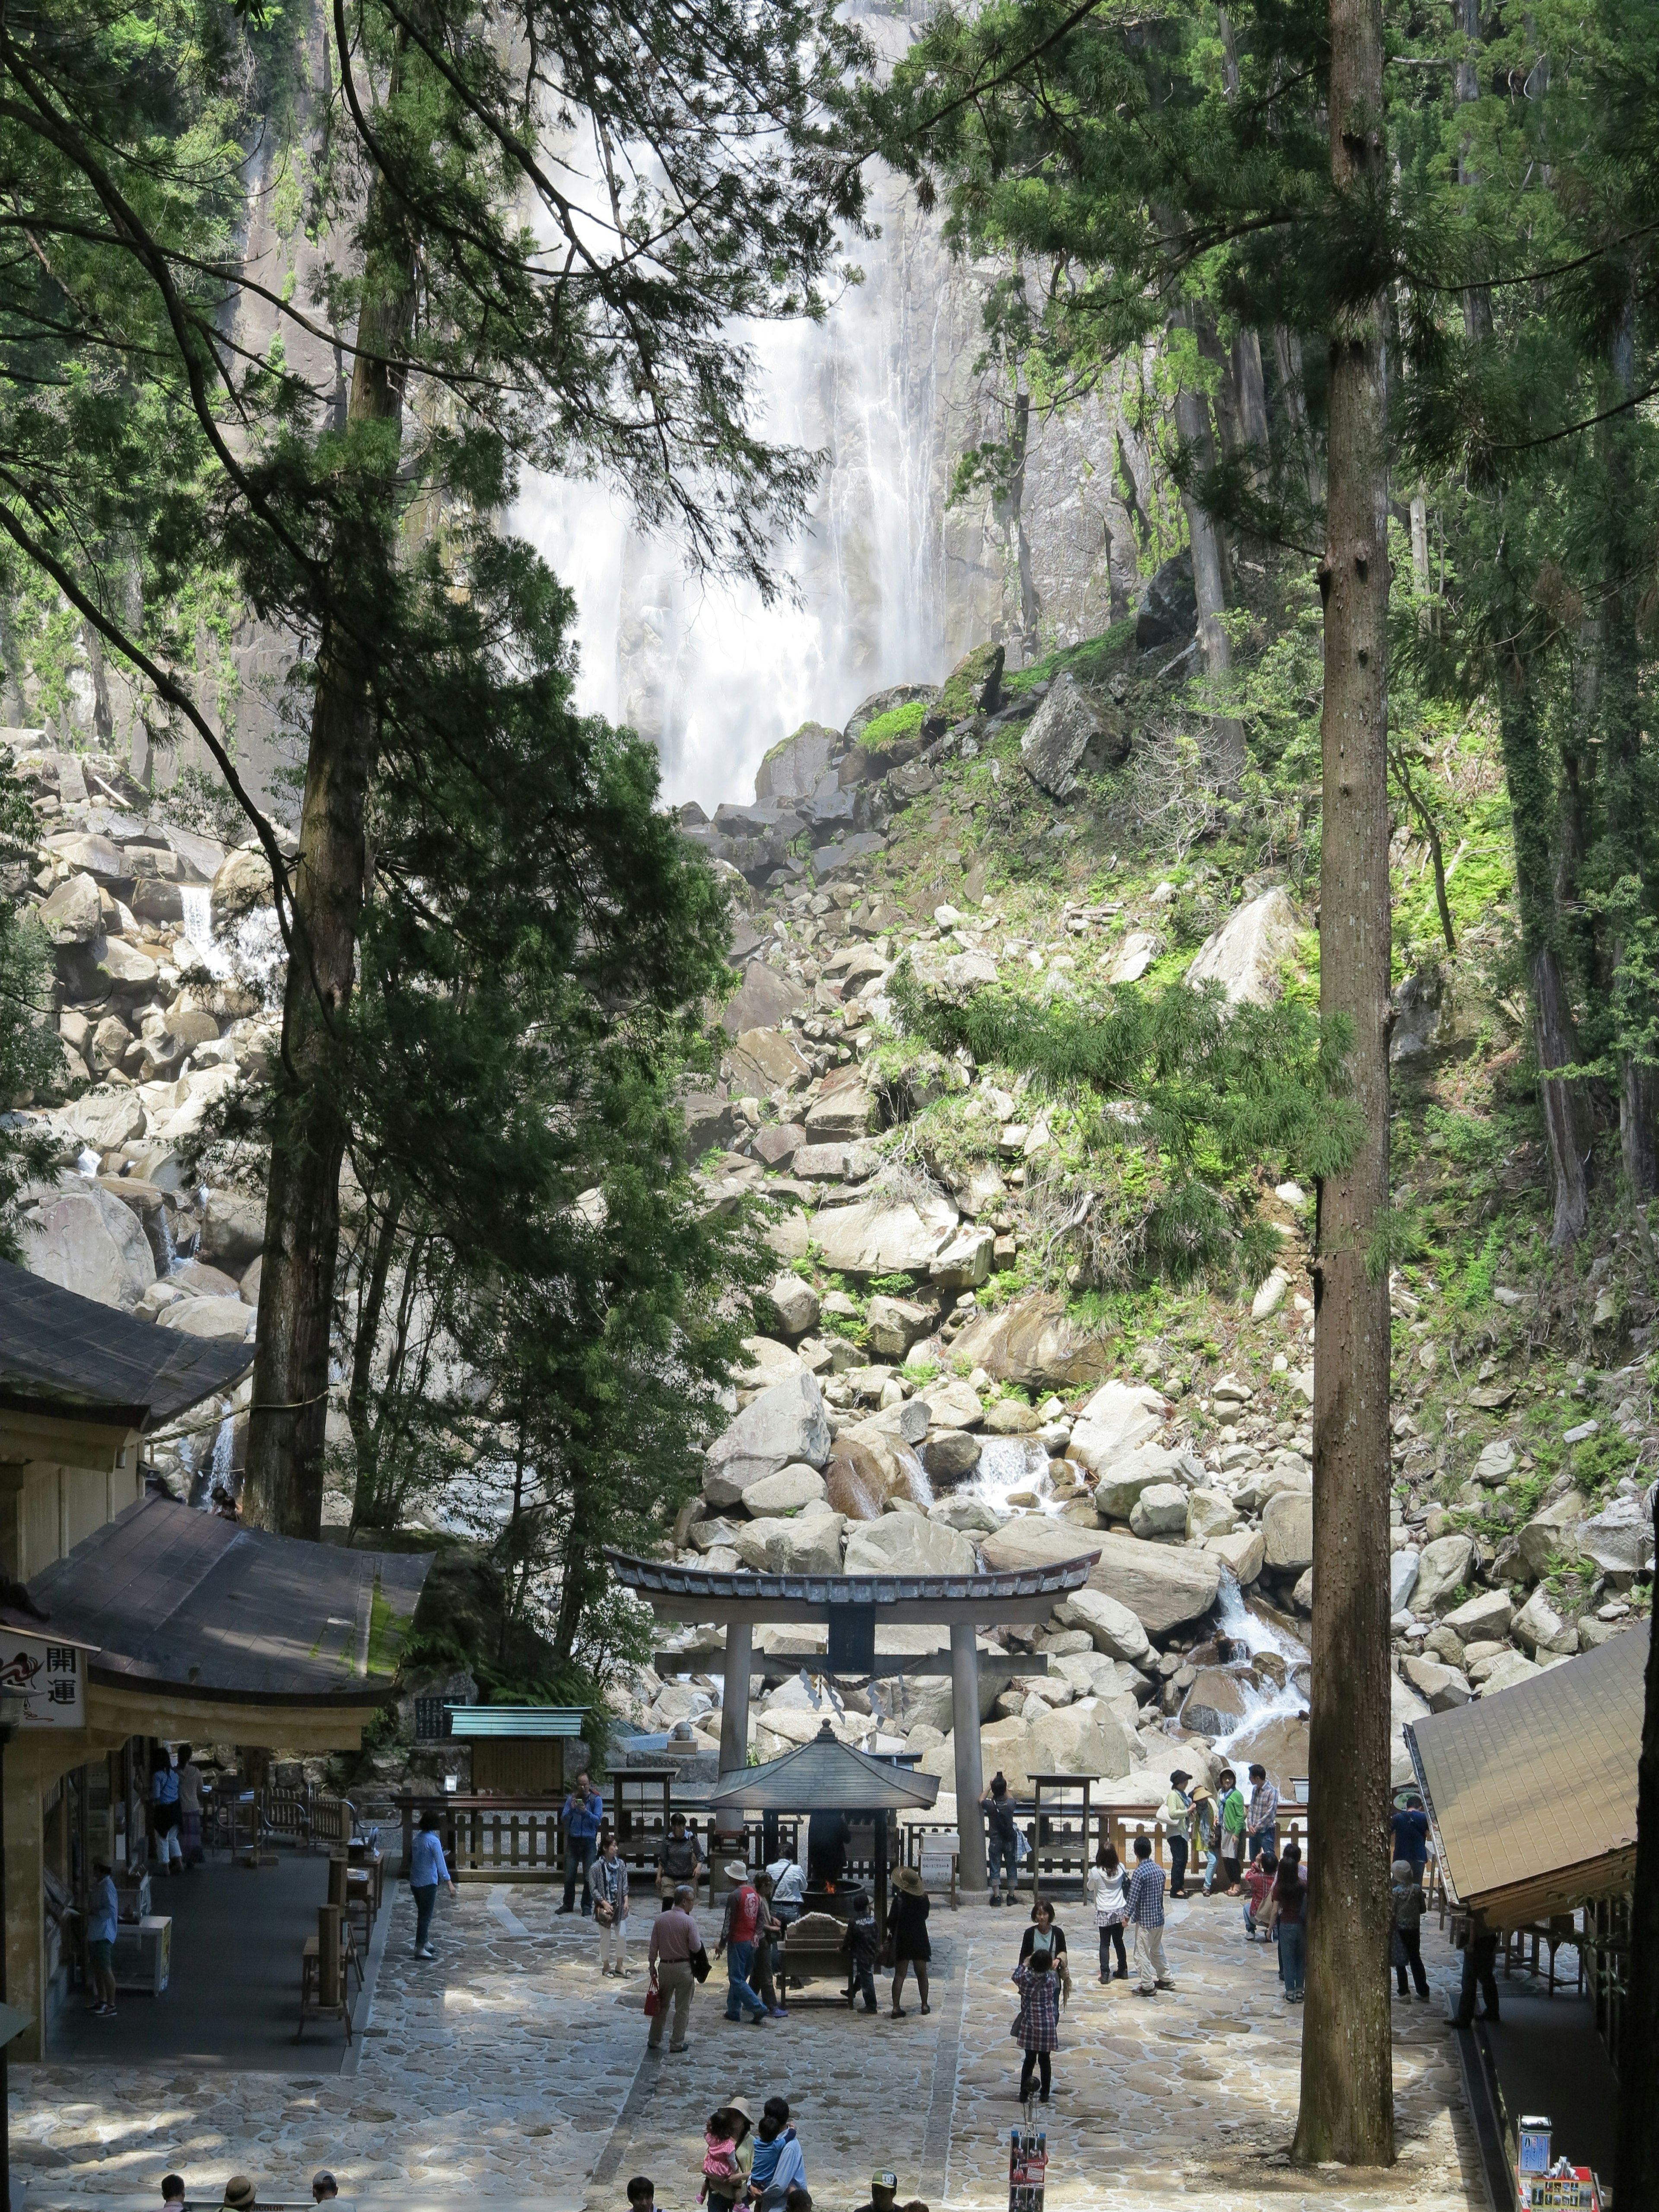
(700, 1963)
(652, 2002)
(604, 1912)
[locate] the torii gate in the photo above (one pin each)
(853, 1605)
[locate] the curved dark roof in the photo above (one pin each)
(984, 1590)
(61, 1353)
(827, 1776)
(181, 1601)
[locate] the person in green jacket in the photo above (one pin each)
(1232, 1830)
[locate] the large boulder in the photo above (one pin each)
(762, 1060)
(1119, 1417)
(1216, 1702)
(1116, 1631)
(1242, 1551)
(1245, 954)
(794, 1302)
(769, 1362)
(1552, 1531)
(1287, 1531)
(953, 1404)
(1483, 1618)
(84, 1239)
(1163, 1585)
(761, 1000)
(908, 1544)
(1504, 1671)
(1033, 1342)
(107, 1120)
(74, 914)
(796, 765)
(807, 1544)
(241, 883)
(973, 687)
(884, 1235)
(891, 1326)
(781, 1426)
(1540, 1629)
(841, 1115)
(232, 1229)
(98, 856)
(950, 1456)
(1402, 1577)
(1160, 1510)
(1128, 1476)
(1619, 1540)
(1085, 1737)
(1058, 736)
(1442, 1569)
(866, 1468)
(789, 1491)
(1032, 1539)
(212, 1317)
(1129, 961)
(963, 1262)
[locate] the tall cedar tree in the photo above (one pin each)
(535, 231)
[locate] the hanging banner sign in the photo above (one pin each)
(51, 1676)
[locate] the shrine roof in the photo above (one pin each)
(720, 1594)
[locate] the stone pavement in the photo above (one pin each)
(507, 2069)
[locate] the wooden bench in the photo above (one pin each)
(310, 1993)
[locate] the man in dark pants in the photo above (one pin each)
(1480, 1958)
(584, 1813)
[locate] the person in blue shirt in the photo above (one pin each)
(102, 1909)
(427, 1868)
(164, 1810)
(584, 1814)
(778, 2164)
(1410, 1829)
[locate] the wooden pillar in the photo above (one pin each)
(328, 1917)
(25, 1919)
(734, 1712)
(964, 1721)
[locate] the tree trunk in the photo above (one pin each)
(1466, 88)
(1347, 2090)
(360, 1394)
(1029, 606)
(283, 1488)
(1636, 2164)
(1252, 389)
(1566, 1118)
(1293, 391)
(1192, 415)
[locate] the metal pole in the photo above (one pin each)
(964, 1721)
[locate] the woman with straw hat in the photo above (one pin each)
(907, 1933)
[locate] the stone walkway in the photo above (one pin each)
(507, 2069)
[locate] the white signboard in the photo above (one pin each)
(51, 1676)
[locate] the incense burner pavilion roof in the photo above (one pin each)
(827, 1776)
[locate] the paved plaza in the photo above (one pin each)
(507, 2069)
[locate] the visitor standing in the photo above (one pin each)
(103, 1909)
(826, 1835)
(1409, 1829)
(607, 1889)
(862, 1944)
(1261, 1816)
(1001, 1837)
(1037, 2028)
(641, 2194)
(1177, 1816)
(172, 2192)
(190, 1809)
(675, 1942)
(740, 1926)
(1206, 1833)
(324, 2187)
(1480, 1970)
(1044, 1936)
(768, 1956)
(1146, 1917)
(427, 1867)
(1232, 1830)
(906, 1930)
(1107, 1888)
(164, 1810)
(789, 1879)
(1408, 1900)
(1290, 1922)
(584, 1816)
(679, 1859)
(779, 2164)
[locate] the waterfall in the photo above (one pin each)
(1236, 1620)
(886, 582)
(1007, 1466)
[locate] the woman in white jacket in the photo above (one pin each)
(1107, 1892)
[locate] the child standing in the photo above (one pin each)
(1108, 1893)
(1258, 1881)
(1037, 2028)
(1408, 1905)
(862, 1944)
(1290, 1896)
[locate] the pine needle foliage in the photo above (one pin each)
(1204, 1092)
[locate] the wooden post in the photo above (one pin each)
(328, 1917)
(734, 1708)
(964, 1722)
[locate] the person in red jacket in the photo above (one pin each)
(740, 1925)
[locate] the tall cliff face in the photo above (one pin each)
(889, 581)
